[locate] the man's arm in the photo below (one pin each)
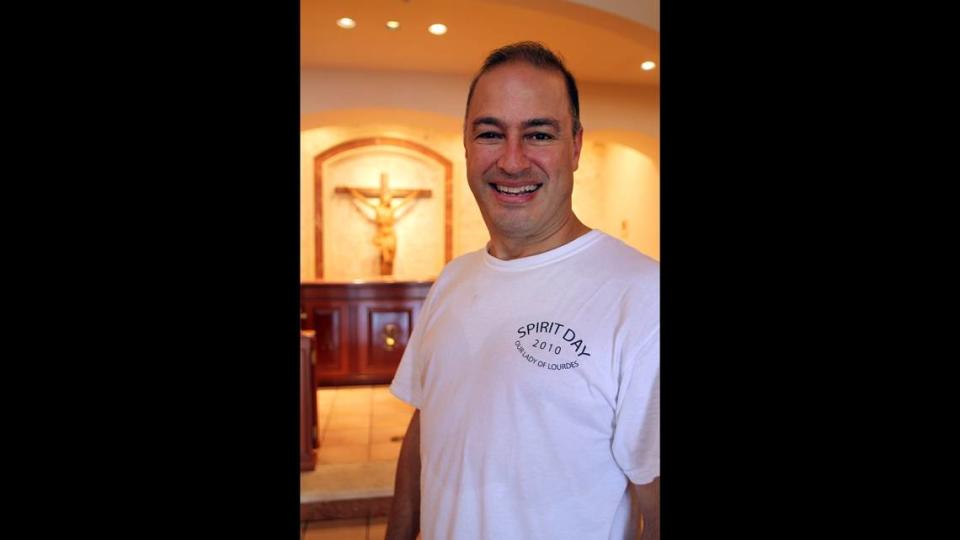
(647, 499)
(404, 520)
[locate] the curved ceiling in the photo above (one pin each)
(600, 40)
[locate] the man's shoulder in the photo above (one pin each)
(458, 267)
(618, 257)
(463, 262)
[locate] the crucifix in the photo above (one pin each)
(384, 215)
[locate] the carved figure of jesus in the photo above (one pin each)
(384, 216)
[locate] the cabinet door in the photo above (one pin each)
(384, 328)
(330, 320)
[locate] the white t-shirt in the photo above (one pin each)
(537, 381)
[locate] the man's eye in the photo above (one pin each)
(540, 136)
(489, 135)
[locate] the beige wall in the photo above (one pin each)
(617, 190)
(632, 199)
(617, 181)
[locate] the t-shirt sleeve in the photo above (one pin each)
(636, 437)
(407, 383)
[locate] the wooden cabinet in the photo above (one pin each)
(361, 328)
(308, 405)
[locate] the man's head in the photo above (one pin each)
(536, 55)
(522, 138)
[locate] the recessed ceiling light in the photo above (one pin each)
(346, 22)
(648, 65)
(437, 29)
(393, 25)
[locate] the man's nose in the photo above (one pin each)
(513, 160)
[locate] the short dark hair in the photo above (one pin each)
(536, 55)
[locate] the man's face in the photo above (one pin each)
(521, 151)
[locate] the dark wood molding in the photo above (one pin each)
(319, 160)
(345, 509)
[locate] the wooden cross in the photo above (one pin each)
(384, 186)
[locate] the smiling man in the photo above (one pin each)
(535, 363)
(523, 144)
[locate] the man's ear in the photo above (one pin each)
(577, 146)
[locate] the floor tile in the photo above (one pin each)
(346, 436)
(384, 451)
(337, 529)
(333, 454)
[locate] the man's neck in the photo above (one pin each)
(515, 248)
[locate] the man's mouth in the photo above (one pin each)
(516, 190)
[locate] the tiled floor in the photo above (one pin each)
(361, 429)
(345, 529)
(360, 424)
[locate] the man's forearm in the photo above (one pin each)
(404, 520)
(648, 502)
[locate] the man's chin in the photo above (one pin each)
(513, 227)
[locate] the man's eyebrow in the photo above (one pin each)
(537, 122)
(488, 120)
(533, 122)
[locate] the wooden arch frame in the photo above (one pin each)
(321, 158)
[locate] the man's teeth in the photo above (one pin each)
(516, 190)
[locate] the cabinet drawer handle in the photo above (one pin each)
(390, 336)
